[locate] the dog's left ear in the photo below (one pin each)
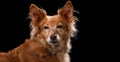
(67, 11)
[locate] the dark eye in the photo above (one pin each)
(46, 27)
(59, 26)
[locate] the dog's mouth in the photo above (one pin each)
(54, 41)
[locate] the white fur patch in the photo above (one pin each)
(49, 18)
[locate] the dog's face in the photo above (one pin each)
(53, 29)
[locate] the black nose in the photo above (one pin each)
(53, 37)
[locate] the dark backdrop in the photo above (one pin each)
(14, 25)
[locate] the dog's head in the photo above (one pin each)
(52, 29)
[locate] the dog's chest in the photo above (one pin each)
(42, 57)
(46, 58)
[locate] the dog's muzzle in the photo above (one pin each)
(53, 39)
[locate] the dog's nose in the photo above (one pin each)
(53, 37)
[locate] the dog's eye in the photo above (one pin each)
(59, 26)
(46, 27)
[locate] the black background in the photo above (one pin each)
(94, 41)
(14, 25)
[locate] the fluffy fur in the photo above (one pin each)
(50, 37)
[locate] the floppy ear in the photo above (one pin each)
(67, 11)
(36, 14)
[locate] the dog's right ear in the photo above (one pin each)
(36, 14)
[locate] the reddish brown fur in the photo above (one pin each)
(37, 48)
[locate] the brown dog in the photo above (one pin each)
(50, 37)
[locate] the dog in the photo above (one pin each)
(50, 37)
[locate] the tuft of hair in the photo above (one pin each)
(73, 26)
